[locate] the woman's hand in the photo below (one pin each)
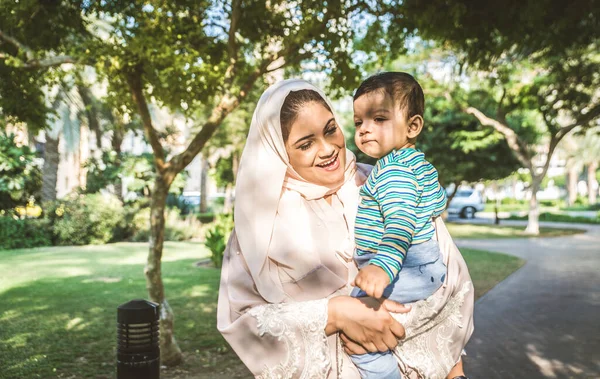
(365, 322)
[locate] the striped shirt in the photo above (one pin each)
(398, 201)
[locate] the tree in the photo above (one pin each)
(556, 101)
(582, 150)
(488, 31)
(538, 56)
(590, 156)
(65, 123)
(460, 148)
(106, 119)
(185, 55)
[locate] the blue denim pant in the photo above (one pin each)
(423, 272)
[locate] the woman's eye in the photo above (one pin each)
(305, 146)
(331, 130)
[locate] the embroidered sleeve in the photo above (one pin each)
(300, 327)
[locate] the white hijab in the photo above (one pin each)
(264, 173)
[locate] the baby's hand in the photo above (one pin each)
(373, 280)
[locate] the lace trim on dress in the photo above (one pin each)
(415, 353)
(301, 327)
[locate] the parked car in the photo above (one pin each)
(466, 203)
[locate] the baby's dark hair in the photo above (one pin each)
(292, 105)
(402, 87)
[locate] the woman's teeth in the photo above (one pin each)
(330, 163)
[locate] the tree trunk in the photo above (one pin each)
(456, 184)
(203, 186)
(170, 353)
(91, 113)
(572, 176)
(235, 166)
(592, 183)
(50, 169)
(533, 222)
(496, 202)
(116, 142)
(228, 206)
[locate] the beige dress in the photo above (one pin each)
(287, 340)
(291, 251)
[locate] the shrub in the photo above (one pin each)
(86, 219)
(180, 203)
(206, 218)
(554, 217)
(216, 238)
(510, 200)
(176, 228)
(24, 233)
(20, 173)
(549, 203)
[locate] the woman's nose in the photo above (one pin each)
(327, 150)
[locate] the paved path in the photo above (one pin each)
(543, 321)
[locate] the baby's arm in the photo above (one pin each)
(373, 280)
(440, 198)
(396, 191)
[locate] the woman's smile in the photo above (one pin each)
(331, 164)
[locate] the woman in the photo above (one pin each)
(283, 300)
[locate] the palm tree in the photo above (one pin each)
(582, 151)
(570, 146)
(590, 154)
(66, 123)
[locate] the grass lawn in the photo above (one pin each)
(594, 207)
(488, 207)
(58, 308)
(476, 231)
(557, 217)
(488, 269)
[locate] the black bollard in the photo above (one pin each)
(138, 350)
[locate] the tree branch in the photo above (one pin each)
(217, 25)
(581, 121)
(286, 62)
(499, 111)
(28, 52)
(134, 80)
(232, 46)
(562, 132)
(226, 105)
(279, 67)
(31, 61)
(513, 140)
(49, 62)
(236, 12)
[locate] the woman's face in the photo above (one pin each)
(316, 146)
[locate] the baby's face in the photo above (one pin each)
(380, 125)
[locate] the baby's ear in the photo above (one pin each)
(415, 125)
